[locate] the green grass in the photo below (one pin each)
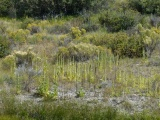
(68, 111)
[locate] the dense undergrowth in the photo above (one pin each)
(83, 49)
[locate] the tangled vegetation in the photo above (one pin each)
(87, 52)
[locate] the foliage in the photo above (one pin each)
(120, 43)
(65, 110)
(25, 22)
(76, 32)
(8, 62)
(146, 6)
(80, 93)
(4, 46)
(43, 8)
(118, 20)
(3, 27)
(58, 29)
(33, 28)
(4, 6)
(150, 38)
(24, 58)
(128, 46)
(19, 36)
(79, 52)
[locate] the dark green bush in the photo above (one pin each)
(127, 46)
(25, 22)
(91, 26)
(58, 29)
(4, 47)
(146, 6)
(115, 21)
(121, 44)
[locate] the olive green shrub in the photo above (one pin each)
(58, 29)
(121, 44)
(76, 32)
(116, 20)
(4, 46)
(78, 52)
(146, 6)
(24, 58)
(19, 36)
(124, 45)
(150, 37)
(33, 28)
(25, 22)
(8, 62)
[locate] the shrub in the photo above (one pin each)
(121, 44)
(37, 37)
(64, 40)
(3, 27)
(19, 36)
(127, 46)
(8, 62)
(102, 39)
(150, 38)
(91, 26)
(79, 52)
(76, 32)
(24, 58)
(4, 46)
(83, 51)
(33, 28)
(118, 20)
(146, 6)
(25, 22)
(58, 29)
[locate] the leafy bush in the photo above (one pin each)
(64, 40)
(127, 46)
(76, 32)
(79, 52)
(118, 20)
(91, 26)
(8, 62)
(120, 43)
(25, 22)
(3, 27)
(19, 36)
(146, 6)
(4, 46)
(58, 29)
(24, 58)
(150, 37)
(33, 28)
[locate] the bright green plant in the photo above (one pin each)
(80, 93)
